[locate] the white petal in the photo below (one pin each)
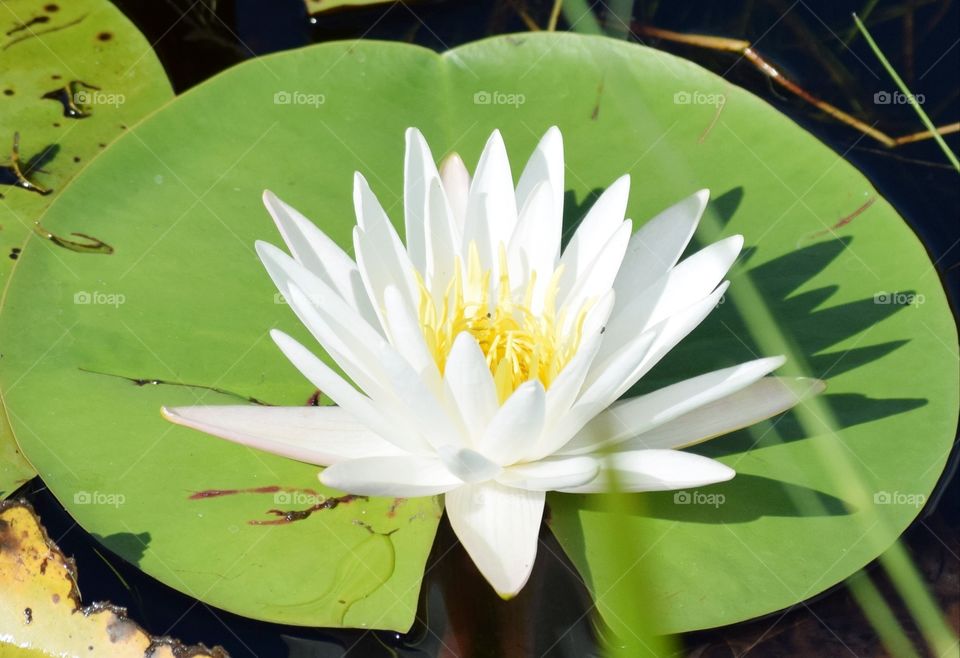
(468, 465)
(284, 270)
(761, 400)
(516, 427)
(403, 477)
(654, 470)
(443, 240)
(320, 255)
(499, 527)
(355, 355)
(546, 166)
(632, 417)
(696, 276)
(477, 232)
(429, 413)
(675, 290)
(598, 393)
(609, 379)
(456, 186)
(415, 403)
(316, 435)
(658, 244)
(471, 385)
(666, 335)
(535, 245)
(323, 311)
(376, 417)
(596, 229)
(551, 474)
(419, 172)
(596, 279)
(494, 182)
(407, 337)
(566, 388)
(381, 256)
(596, 321)
(604, 378)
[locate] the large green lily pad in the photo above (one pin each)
(184, 299)
(74, 75)
(14, 468)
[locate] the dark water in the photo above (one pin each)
(195, 41)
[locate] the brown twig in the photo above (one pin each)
(745, 50)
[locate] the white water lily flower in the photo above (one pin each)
(489, 364)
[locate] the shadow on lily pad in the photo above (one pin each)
(131, 546)
(744, 498)
(848, 409)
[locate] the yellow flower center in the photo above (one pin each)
(519, 345)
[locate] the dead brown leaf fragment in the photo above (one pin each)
(40, 609)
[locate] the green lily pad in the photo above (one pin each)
(184, 300)
(74, 76)
(14, 468)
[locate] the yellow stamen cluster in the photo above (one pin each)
(519, 345)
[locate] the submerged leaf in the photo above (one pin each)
(40, 609)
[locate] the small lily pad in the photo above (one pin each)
(179, 314)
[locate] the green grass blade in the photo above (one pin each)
(951, 156)
(580, 17)
(880, 615)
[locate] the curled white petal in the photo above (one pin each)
(320, 255)
(658, 244)
(761, 400)
(316, 435)
(634, 416)
(516, 427)
(456, 185)
(403, 477)
(492, 204)
(653, 470)
(551, 474)
(471, 385)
